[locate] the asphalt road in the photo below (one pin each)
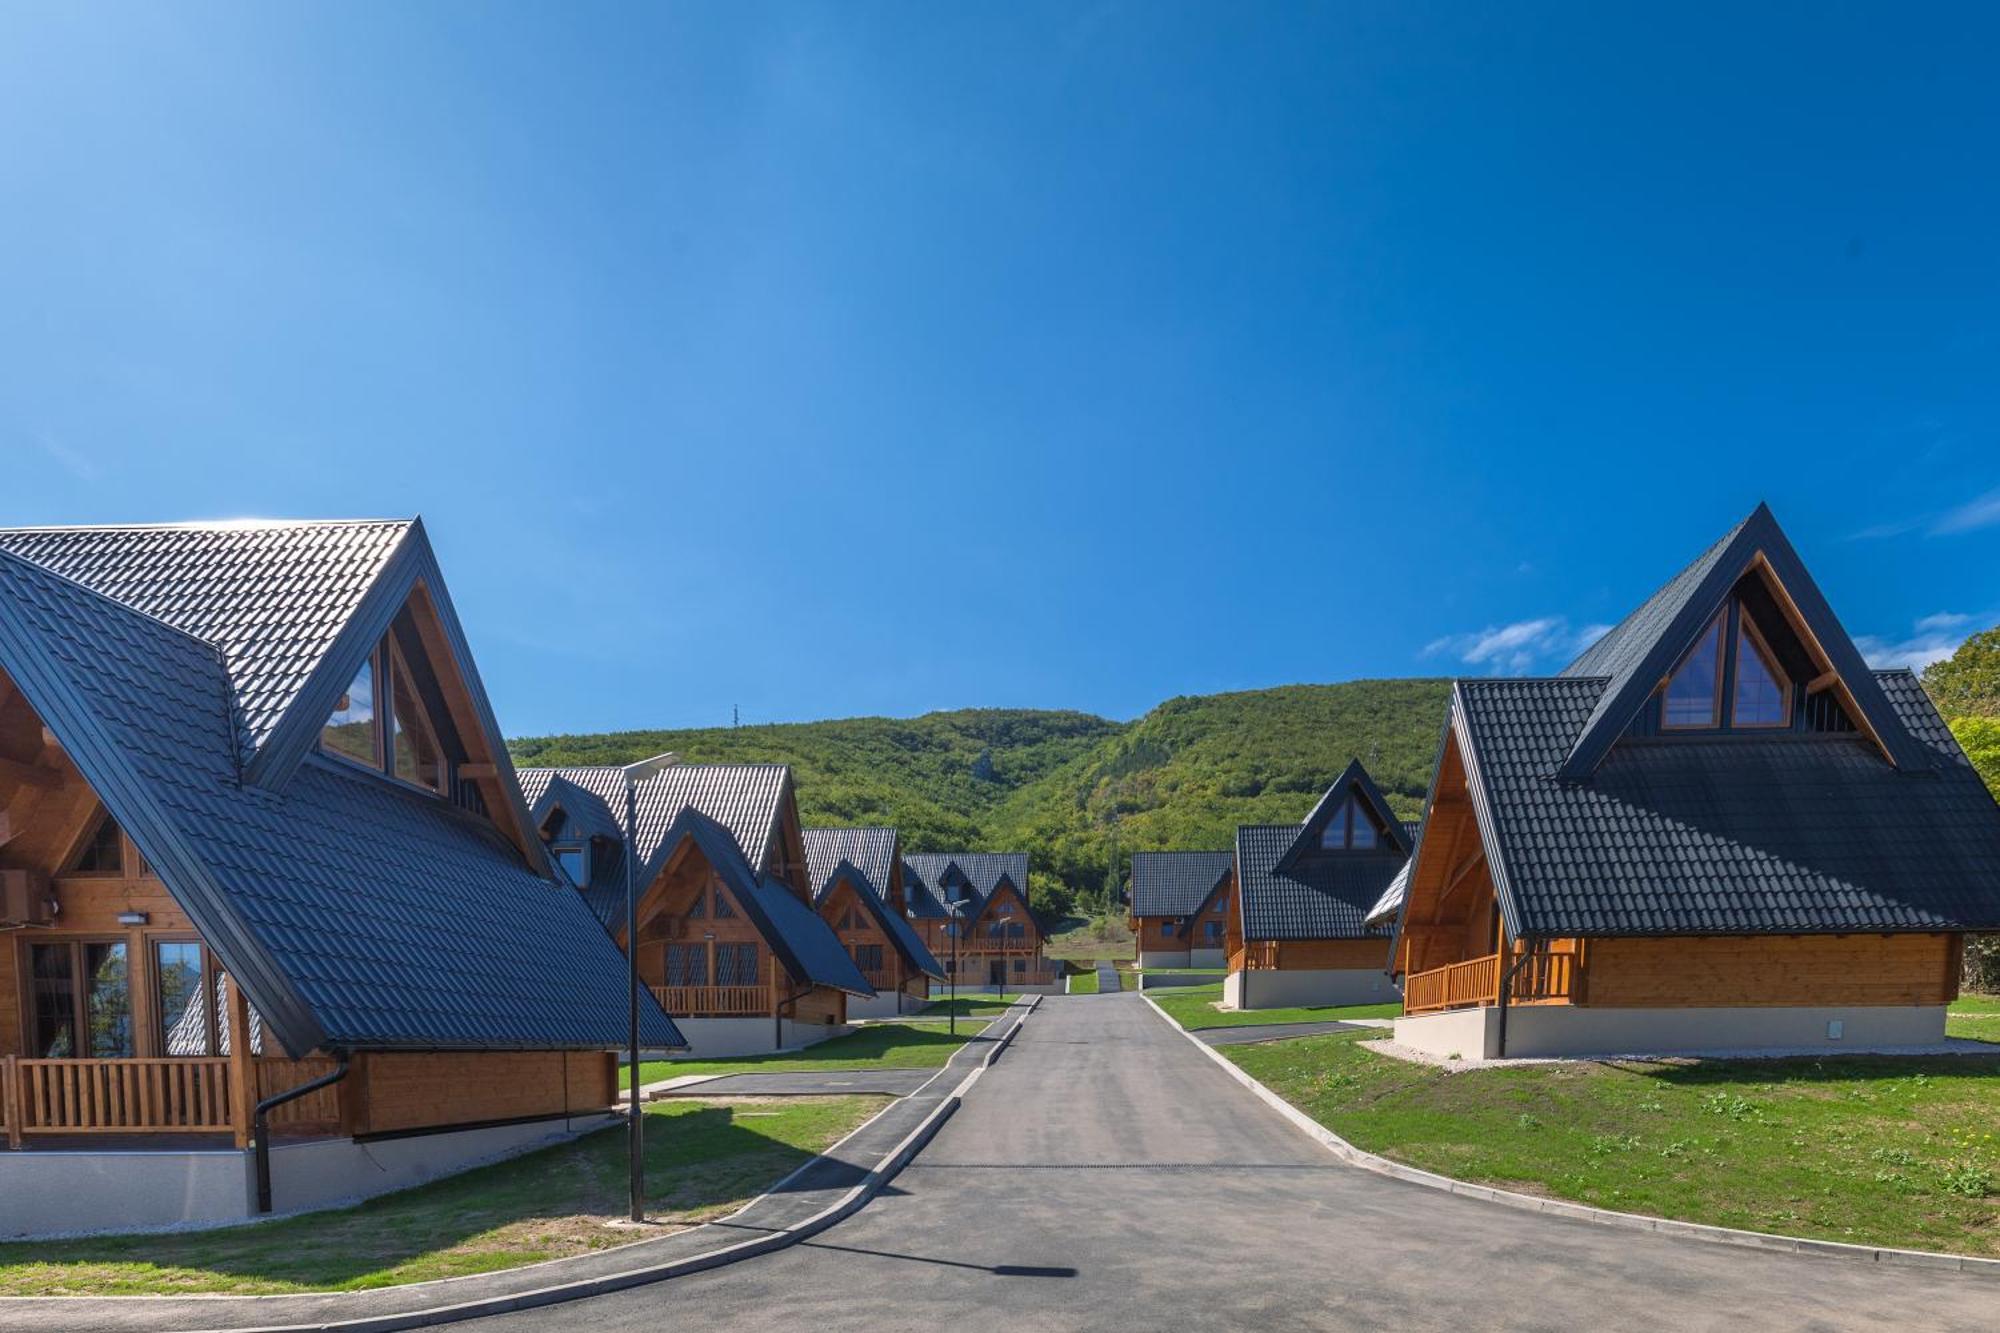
(1104, 1175)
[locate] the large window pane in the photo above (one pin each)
(105, 853)
(223, 1034)
(108, 1005)
(413, 742)
(1693, 697)
(1362, 836)
(687, 965)
(1761, 699)
(184, 1016)
(351, 730)
(54, 968)
(735, 964)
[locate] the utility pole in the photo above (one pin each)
(735, 716)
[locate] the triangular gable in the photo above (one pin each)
(1639, 654)
(410, 578)
(1355, 783)
(1186, 926)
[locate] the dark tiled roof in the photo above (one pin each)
(1176, 883)
(746, 799)
(1324, 897)
(272, 597)
(1383, 913)
(931, 880)
(868, 858)
(1780, 833)
(358, 913)
(871, 852)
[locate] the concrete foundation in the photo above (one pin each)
(1166, 958)
(44, 1193)
(886, 1004)
(1208, 958)
(714, 1038)
(1578, 1030)
(1259, 988)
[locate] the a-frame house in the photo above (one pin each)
(729, 941)
(972, 910)
(1717, 829)
(1299, 934)
(1182, 904)
(857, 877)
(258, 830)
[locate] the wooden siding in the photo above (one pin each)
(843, 903)
(1316, 955)
(401, 1091)
(1690, 971)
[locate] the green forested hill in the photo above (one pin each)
(1061, 785)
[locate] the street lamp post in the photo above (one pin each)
(636, 1137)
(952, 1012)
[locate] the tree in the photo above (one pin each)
(1979, 737)
(1967, 684)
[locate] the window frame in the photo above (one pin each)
(1719, 625)
(385, 664)
(79, 979)
(1746, 627)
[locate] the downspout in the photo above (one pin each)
(1506, 989)
(778, 1015)
(263, 1126)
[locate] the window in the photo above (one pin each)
(1694, 691)
(223, 981)
(1350, 829)
(1015, 930)
(1212, 930)
(1020, 965)
(1166, 930)
(104, 854)
(381, 722)
(868, 957)
(1762, 697)
(724, 909)
(575, 861)
(687, 965)
(181, 987)
(698, 910)
(350, 732)
(735, 964)
(1731, 661)
(82, 999)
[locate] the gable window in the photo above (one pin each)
(1694, 691)
(724, 909)
(104, 854)
(381, 722)
(1350, 829)
(575, 861)
(699, 909)
(1731, 663)
(1762, 697)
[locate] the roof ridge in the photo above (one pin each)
(216, 525)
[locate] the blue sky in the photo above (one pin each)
(867, 358)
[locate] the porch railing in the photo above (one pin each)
(1475, 981)
(160, 1096)
(713, 1001)
(1544, 974)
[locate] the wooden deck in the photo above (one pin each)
(194, 1095)
(1546, 976)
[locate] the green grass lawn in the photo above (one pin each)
(1976, 1017)
(920, 1044)
(703, 1159)
(968, 1004)
(1193, 1007)
(1084, 983)
(1898, 1152)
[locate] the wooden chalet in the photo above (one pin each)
(729, 941)
(1717, 829)
(1182, 903)
(857, 877)
(979, 901)
(259, 836)
(1299, 935)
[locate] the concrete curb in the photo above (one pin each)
(1756, 1240)
(840, 1210)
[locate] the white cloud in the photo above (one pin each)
(1935, 638)
(1981, 513)
(72, 461)
(1517, 648)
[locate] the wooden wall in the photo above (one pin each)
(1685, 971)
(1315, 955)
(821, 1004)
(397, 1091)
(844, 902)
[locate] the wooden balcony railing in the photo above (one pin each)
(713, 1001)
(1453, 986)
(1542, 975)
(171, 1095)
